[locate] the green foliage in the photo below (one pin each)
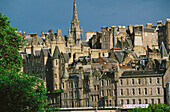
(57, 91)
(10, 43)
(153, 108)
(18, 92)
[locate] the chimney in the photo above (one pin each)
(148, 25)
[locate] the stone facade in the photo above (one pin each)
(140, 87)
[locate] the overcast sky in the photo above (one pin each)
(34, 16)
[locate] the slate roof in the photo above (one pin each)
(120, 56)
(29, 40)
(46, 51)
(56, 54)
(85, 44)
(163, 51)
(133, 74)
(66, 57)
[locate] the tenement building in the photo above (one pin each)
(112, 67)
(140, 87)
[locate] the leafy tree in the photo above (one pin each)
(153, 108)
(19, 92)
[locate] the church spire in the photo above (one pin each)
(75, 17)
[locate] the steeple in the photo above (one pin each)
(75, 17)
(76, 31)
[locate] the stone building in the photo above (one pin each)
(145, 87)
(164, 33)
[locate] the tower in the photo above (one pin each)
(76, 31)
(55, 69)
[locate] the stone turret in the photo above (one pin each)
(55, 69)
(64, 79)
(53, 45)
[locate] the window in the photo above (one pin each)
(65, 95)
(62, 85)
(158, 90)
(133, 91)
(70, 84)
(75, 85)
(139, 101)
(102, 83)
(108, 82)
(138, 81)
(106, 102)
(97, 87)
(87, 103)
(158, 81)
(152, 101)
(75, 94)
(97, 97)
(121, 82)
(102, 93)
(55, 75)
(108, 93)
(127, 101)
(159, 101)
(94, 98)
(139, 91)
(133, 82)
(146, 101)
(133, 101)
(150, 80)
(110, 102)
(70, 94)
(145, 91)
(56, 62)
(121, 92)
(127, 91)
(91, 98)
(121, 102)
(94, 88)
(56, 86)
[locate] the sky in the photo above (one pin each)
(35, 16)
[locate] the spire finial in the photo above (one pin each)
(75, 11)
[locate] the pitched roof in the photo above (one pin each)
(66, 57)
(46, 51)
(56, 54)
(65, 75)
(163, 51)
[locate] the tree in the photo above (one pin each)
(153, 108)
(18, 91)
